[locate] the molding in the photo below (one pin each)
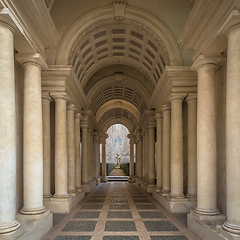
(34, 58)
(200, 32)
(148, 120)
(117, 104)
(62, 79)
(175, 79)
(36, 30)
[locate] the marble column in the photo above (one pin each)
(71, 148)
(46, 100)
(8, 221)
(159, 151)
(232, 223)
(136, 158)
(176, 146)
(192, 146)
(206, 138)
(96, 153)
(166, 110)
(146, 157)
(32, 140)
(144, 153)
(103, 141)
(90, 165)
(85, 155)
(61, 169)
(77, 152)
(131, 143)
(151, 155)
(140, 156)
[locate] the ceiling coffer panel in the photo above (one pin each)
(118, 41)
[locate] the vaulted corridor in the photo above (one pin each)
(119, 211)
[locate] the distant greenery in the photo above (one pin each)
(125, 168)
(109, 167)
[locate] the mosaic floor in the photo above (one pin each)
(119, 211)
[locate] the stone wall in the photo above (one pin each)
(117, 142)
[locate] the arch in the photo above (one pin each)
(133, 17)
(111, 121)
(117, 104)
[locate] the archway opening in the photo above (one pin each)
(117, 151)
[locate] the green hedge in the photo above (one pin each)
(110, 167)
(125, 168)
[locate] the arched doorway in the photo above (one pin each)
(117, 146)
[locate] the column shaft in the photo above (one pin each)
(146, 157)
(104, 161)
(151, 155)
(159, 151)
(32, 140)
(140, 157)
(8, 221)
(77, 151)
(233, 132)
(131, 158)
(176, 146)
(192, 146)
(71, 148)
(84, 155)
(46, 100)
(166, 109)
(206, 142)
(61, 170)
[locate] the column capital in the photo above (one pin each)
(132, 138)
(206, 61)
(46, 97)
(61, 95)
(35, 58)
(71, 107)
(166, 106)
(7, 24)
(158, 115)
(232, 22)
(177, 96)
(191, 97)
(78, 115)
(103, 138)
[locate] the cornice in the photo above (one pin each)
(175, 79)
(200, 32)
(60, 78)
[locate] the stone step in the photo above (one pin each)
(117, 178)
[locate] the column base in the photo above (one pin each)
(33, 211)
(174, 198)
(8, 228)
(88, 187)
(32, 227)
(131, 179)
(208, 212)
(191, 197)
(229, 231)
(175, 205)
(98, 181)
(206, 227)
(150, 188)
(103, 179)
(165, 192)
(63, 205)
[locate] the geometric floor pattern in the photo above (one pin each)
(119, 211)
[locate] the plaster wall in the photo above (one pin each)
(19, 87)
(117, 142)
(220, 84)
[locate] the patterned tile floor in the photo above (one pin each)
(119, 211)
